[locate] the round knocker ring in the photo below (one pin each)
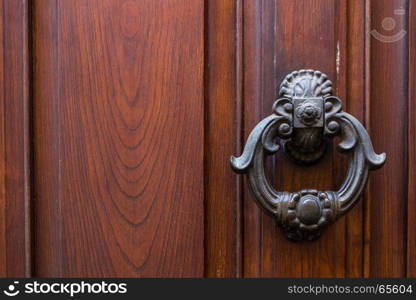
(306, 115)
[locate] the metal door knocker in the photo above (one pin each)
(306, 115)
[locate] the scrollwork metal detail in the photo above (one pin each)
(306, 115)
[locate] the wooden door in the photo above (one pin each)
(119, 118)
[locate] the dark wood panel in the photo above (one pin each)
(275, 43)
(15, 242)
(351, 87)
(367, 192)
(257, 101)
(47, 156)
(279, 37)
(411, 207)
(223, 138)
(251, 112)
(119, 138)
(388, 129)
(355, 61)
(307, 37)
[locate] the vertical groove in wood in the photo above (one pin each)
(239, 69)
(411, 207)
(367, 123)
(252, 112)
(3, 238)
(15, 238)
(28, 134)
(223, 124)
(353, 69)
(268, 96)
(307, 38)
(259, 95)
(339, 163)
(388, 106)
(47, 132)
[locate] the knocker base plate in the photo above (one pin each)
(307, 90)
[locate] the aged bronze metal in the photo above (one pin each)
(305, 116)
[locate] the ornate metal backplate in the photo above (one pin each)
(307, 90)
(305, 116)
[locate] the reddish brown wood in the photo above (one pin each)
(15, 239)
(125, 177)
(252, 112)
(48, 227)
(341, 53)
(304, 39)
(388, 129)
(411, 207)
(119, 138)
(267, 250)
(367, 192)
(309, 39)
(352, 88)
(223, 128)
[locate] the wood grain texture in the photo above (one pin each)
(252, 115)
(223, 138)
(367, 94)
(47, 132)
(411, 207)
(138, 105)
(119, 138)
(255, 78)
(388, 129)
(332, 36)
(15, 238)
(351, 86)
